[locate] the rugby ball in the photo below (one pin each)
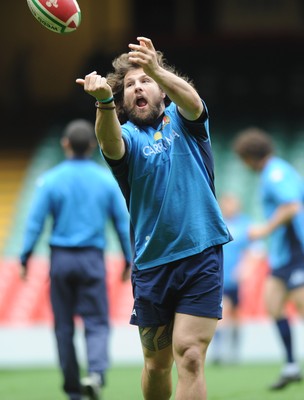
(60, 16)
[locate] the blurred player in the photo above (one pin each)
(237, 254)
(152, 127)
(81, 197)
(281, 192)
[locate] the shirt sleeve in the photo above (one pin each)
(121, 222)
(199, 127)
(285, 186)
(38, 213)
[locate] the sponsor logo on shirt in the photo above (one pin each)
(162, 144)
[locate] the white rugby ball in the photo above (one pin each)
(60, 16)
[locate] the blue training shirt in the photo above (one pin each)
(234, 251)
(167, 178)
(281, 184)
(81, 197)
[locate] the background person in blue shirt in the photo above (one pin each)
(155, 137)
(236, 254)
(282, 194)
(81, 197)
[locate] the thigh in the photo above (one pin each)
(62, 292)
(78, 283)
(192, 332)
(297, 297)
(92, 299)
(275, 296)
(157, 345)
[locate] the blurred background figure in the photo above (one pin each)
(226, 343)
(282, 193)
(81, 197)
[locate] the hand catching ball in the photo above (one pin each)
(60, 16)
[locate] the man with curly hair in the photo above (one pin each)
(282, 195)
(152, 128)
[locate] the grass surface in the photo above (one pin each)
(238, 382)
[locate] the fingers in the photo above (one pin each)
(82, 81)
(145, 42)
(126, 275)
(91, 81)
(95, 85)
(138, 54)
(22, 272)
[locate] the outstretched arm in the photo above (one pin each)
(107, 126)
(282, 216)
(176, 88)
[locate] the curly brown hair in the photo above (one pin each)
(253, 143)
(122, 65)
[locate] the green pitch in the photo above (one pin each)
(239, 382)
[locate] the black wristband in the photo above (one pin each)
(106, 101)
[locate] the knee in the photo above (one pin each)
(192, 360)
(157, 370)
(274, 312)
(300, 308)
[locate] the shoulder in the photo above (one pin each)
(48, 176)
(279, 169)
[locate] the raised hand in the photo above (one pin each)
(144, 54)
(96, 85)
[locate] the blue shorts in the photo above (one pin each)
(292, 274)
(192, 285)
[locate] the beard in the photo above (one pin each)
(145, 118)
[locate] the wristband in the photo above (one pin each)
(106, 101)
(97, 105)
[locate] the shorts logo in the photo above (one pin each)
(297, 278)
(134, 312)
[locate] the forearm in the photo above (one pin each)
(108, 133)
(283, 215)
(180, 92)
(107, 126)
(30, 240)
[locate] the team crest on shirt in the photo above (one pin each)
(158, 135)
(166, 121)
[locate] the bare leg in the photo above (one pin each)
(157, 350)
(191, 338)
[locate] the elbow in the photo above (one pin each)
(192, 113)
(113, 152)
(296, 208)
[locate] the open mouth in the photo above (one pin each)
(141, 102)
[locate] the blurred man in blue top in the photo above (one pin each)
(239, 256)
(282, 194)
(155, 137)
(81, 197)
(226, 343)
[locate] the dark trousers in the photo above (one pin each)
(78, 287)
